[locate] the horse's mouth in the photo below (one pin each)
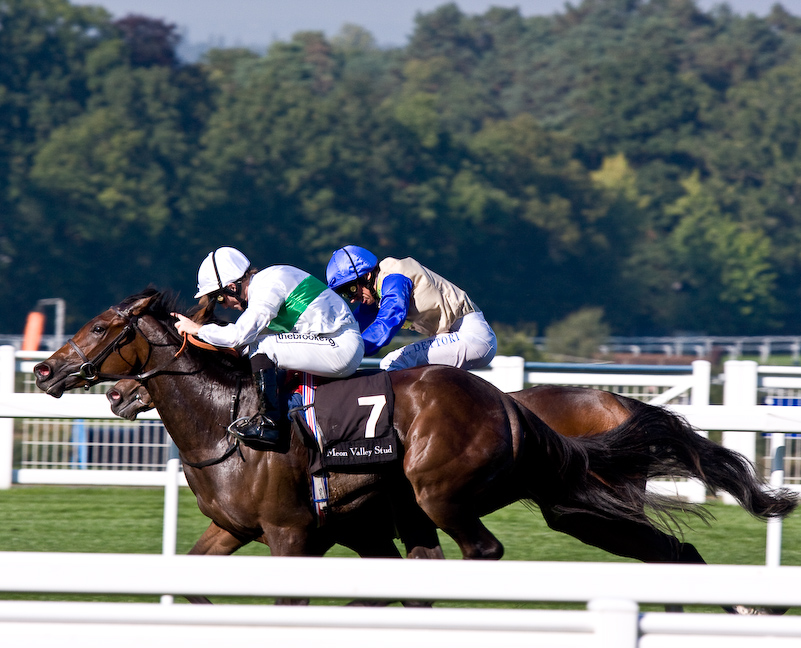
(124, 410)
(56, 390)
(120, 407)
(48, 381)
(127, 408)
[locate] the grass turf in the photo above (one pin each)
(129, 520)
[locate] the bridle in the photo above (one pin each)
(90, 369)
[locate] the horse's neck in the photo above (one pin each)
(194, 406)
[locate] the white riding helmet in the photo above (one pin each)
(223, 266)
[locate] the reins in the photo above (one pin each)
(212, 462)
(233, 409)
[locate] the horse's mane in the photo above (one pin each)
(162, 307)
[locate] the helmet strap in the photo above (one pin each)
(362, 280)
(236, 294)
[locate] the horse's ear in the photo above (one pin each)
(141, 305)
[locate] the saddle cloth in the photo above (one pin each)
(348, 424)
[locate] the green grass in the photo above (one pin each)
(129, 520)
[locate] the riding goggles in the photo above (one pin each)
(349, 291)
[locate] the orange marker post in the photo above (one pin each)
(34, 328)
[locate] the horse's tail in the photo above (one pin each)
(606, 473)
(672, 441)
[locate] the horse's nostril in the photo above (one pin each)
(41, 370)
(113, 394)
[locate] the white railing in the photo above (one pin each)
(52, 451)
(739, 418)
(613, 592)
(657, 385)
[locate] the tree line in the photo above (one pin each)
(639, 158)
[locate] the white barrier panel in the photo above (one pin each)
(69, 477)
(611, 589)
(388, 579)
(763, 418)
(131, 625)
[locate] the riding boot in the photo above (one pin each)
(263, 430)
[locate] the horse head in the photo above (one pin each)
(128, 398)
(110, 345)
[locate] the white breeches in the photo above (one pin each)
(334, 356)
(470, 344)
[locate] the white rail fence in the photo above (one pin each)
(683, 389)
(612, 591)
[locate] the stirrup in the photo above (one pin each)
(258, 437)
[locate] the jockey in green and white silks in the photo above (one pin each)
(297, 322)
(289, 320)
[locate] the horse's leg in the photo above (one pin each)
(475, 541)
(445, 482)
(441, 508)
(627, 539)
(371, 545)
(215, 541)
(372, 534)
(624, 538)
(416, 530)
(638, 541)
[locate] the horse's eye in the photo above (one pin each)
(98, 329)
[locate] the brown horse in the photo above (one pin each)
(468, 450)
(570, 411)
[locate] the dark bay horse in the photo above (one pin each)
(468, 450)
(570, 411)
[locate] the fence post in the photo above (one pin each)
(740, 388)
(702, 377)
(773, 541)
(170, 533)
(699, 395)
(616, 622)
(8, 368)
(507, 373)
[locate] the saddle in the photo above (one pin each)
(347, 423)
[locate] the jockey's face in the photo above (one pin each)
(229, 301)
(364, 295)
(357, 291)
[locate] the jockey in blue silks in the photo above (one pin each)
(401, 293)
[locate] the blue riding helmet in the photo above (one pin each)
(347, 264)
